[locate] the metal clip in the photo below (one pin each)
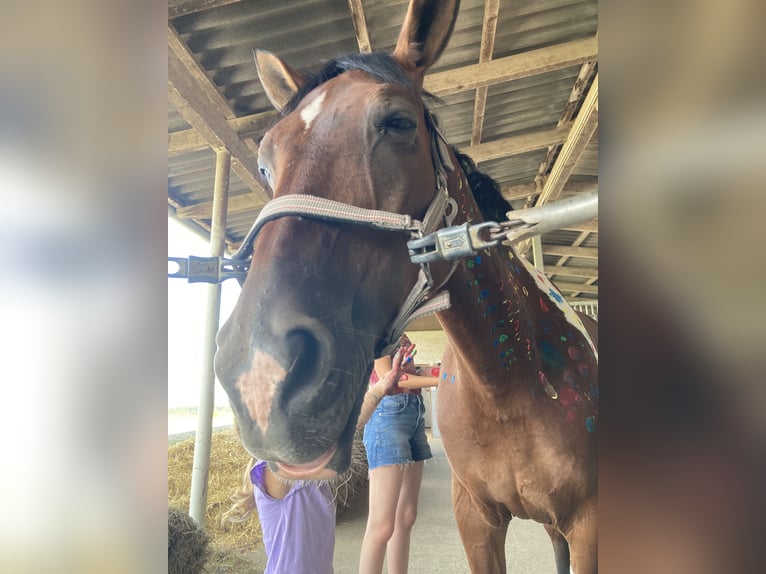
(450, 243)
(208, 269)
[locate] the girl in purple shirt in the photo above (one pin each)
(297, 521)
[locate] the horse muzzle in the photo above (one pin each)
(293, 407)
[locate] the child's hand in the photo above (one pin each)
(391, 379)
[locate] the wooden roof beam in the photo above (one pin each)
(524, 190)
(199, 103)
(576, 287)
(491, 9)
(250, 126)
(587, 272)
(178, 8)
(204, 210)
(513, 67)
(587, 252)
(515, 145)
(583, 128)
(360, 25)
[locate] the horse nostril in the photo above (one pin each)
(310, 352)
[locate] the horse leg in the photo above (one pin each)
(560, 549)
(583, 539)
(484, 544)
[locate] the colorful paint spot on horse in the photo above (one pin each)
(571, 317)
(555, 295)
(590, 424)
(470, 264)
(547, 386)
(574, 353)
(551, 358)
(569, 377)
(489, 310)
(583, 369)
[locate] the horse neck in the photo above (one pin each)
(498, 302)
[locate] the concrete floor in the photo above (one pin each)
(436, 546)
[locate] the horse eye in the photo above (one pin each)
(265, 173)
(399, 122)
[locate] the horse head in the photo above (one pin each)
(320, 297)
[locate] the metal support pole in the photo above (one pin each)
(537, 253)
(201, 466)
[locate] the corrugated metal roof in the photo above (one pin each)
(220, 37)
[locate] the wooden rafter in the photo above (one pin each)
(588, 272)
(524, 190)
(587, 252)
(251, 126)
(513, 67)
(577, 287)
(491, 9)
(574, 100)
(516, 144)
(360, 25)
(178, 8)
(583, 128)
(199, 103)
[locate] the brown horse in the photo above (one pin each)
(355, 163)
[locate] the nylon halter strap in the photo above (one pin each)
(423, 299)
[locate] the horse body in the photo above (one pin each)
(518, 390)
(517, 409)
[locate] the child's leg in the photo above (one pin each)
(406, 513)
(385, 485)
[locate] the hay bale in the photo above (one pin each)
(228, 460)
(187, 544)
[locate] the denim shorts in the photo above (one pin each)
(396, 432)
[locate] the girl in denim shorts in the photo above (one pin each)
(396, 445)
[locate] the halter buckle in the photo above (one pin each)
(451, 243)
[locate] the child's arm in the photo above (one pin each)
(386, 385)
(409, 381)
(275, 487)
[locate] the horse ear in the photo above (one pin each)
(279, 81)
(424, 35)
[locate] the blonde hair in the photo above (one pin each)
(243, 500)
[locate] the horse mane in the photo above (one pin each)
(492, 205)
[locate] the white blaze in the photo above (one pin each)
(312, 110)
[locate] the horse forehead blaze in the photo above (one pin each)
(312, 110)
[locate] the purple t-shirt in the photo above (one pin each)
(298, 530)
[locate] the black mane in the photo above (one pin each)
(492, 205)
